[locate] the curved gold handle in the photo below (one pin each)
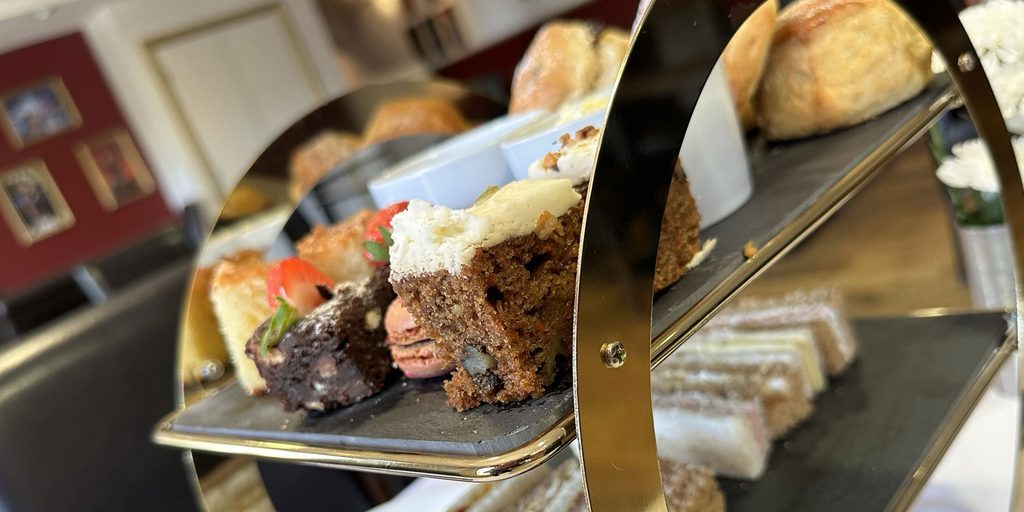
(668, 63)
(941, 23)
(670, 59)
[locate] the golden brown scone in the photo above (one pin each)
(313, 159)
(201, 341)
(244, 200)
(837, 63)
(612, 45)
(413, 116)
(560, 65)
(338, 250)
(239, 297)
(744, 59)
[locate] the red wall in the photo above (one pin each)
(96, 231)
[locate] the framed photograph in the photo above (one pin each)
(115, 169)
(38, 112)
(32, 204)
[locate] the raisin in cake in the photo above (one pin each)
(494, 284)
(335, 355)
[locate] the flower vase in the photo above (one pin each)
(988, 265)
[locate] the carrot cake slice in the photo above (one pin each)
(679, 245)
(494, 285)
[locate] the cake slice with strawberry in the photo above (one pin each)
(324, 347)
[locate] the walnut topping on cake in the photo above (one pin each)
(548, 224)
(430, 237)
(575, 161)
(586, 132)
(551, 160)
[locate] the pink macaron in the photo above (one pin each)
(411, 350)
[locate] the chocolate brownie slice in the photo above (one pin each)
(333, 357)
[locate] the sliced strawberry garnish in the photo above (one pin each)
(378, 233)
(295, 280)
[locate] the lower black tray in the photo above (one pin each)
(878, 431)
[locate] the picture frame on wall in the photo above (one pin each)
(37, 112)
(32, 204)
(115, 169)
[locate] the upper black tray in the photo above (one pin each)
(789, 180)
(797, 185)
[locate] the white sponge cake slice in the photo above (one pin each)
(239, 296)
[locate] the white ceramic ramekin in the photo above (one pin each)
(455, 172)
(713, 153)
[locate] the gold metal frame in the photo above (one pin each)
(60, 91)
(140, 172)
(468, 469)
(614, 395)
(518, 461)
(908, 492)
(13, 216)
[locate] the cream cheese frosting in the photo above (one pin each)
(429, 237)
(575, 161)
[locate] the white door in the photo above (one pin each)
(238, 84)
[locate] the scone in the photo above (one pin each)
(837, 63)
(612, 45)
(560, 65)
(337, 250)
(744, 59)
(414, 116)
(201, 342)
(239, 297)
(315, 158)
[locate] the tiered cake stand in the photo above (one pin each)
(876, 435)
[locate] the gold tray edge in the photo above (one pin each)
(955, 421)
(449, 467)
(538, 451)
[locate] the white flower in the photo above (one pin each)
(996, 29)
(972, 167)
(1008, 86)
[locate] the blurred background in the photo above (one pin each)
(194, 91)
(127, 125)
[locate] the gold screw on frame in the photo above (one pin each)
(966, 62)
(613, 354)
